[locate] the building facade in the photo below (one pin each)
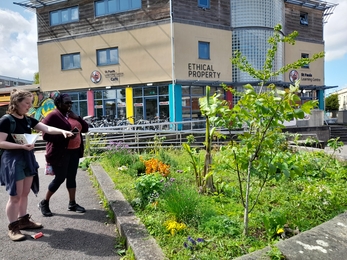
(146, 58)
(6, 82)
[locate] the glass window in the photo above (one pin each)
(100, 8)
(305, 55)
(150, 91)
(204, 50)
(198, 90)
(204, 3)
(110, 107)
(105, 7)
(163, 90)
(107, 56)
(83, 108)
(80, 103)
(185, 90)
(70, 61)
(63, 16)
(137, 92)
(109, 94)
(304, 18)
(138, 108)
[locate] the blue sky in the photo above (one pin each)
(18, 43)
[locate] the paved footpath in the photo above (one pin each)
(67, 235)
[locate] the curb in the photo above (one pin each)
(137, 237)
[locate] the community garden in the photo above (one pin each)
(221, 202)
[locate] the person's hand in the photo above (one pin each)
(28, 147)
(67, 133)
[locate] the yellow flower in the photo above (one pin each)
(173, 227)
(280, 231)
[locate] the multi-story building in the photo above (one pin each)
(6, 86)
(147, 58)
(6, 82)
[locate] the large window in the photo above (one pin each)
(107, 56)
(63, 16)
(79, 105)
(110, 103)
(105, 7)
(204, 50)
(204, 3)
(70, 61)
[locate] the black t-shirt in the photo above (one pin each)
(22, 126)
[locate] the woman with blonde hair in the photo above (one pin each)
(18, 164)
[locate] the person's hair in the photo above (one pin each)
(17, 96)
(58, 100)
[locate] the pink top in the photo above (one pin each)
(75, 142)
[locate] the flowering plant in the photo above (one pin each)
(154, 165)
(173, 227)
(192, 244)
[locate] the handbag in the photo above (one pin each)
(49, 169)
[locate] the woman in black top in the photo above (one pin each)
(18, 164)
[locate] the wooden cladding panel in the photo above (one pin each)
(312, 32)
(218, 13)
(151, 11)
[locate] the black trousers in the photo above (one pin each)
(67, 170)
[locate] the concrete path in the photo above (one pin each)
(67, 235)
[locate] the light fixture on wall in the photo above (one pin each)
(108, 87)
(149, 84)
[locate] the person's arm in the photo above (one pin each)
(52, 130)
(9, 145)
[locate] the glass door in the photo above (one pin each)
(151, 108)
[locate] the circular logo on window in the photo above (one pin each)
(95, 77)
(293, 76)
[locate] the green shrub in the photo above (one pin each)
(149, 187)
(182, 202)
(138, 168)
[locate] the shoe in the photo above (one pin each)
(14, 232)
(26, 223)
(44, 207)
(77, 208)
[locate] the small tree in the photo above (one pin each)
(261, 111)
(36, 78)
(332, 103)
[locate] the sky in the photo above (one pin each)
(18, 43)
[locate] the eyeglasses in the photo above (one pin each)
(68, 103)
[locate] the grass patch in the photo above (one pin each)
(189, 225)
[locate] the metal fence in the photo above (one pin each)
(138, 138)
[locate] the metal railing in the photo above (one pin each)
(138, 138)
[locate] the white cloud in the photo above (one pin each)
(18, 45)
(335, 32)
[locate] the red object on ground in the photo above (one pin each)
(38, 235)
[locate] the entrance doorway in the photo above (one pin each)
(151, 108)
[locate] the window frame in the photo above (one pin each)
(132, 5)
(201, 52)
(71, 55)
(108, 56)
(59, 13)
(305, 56)
(202, 4)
